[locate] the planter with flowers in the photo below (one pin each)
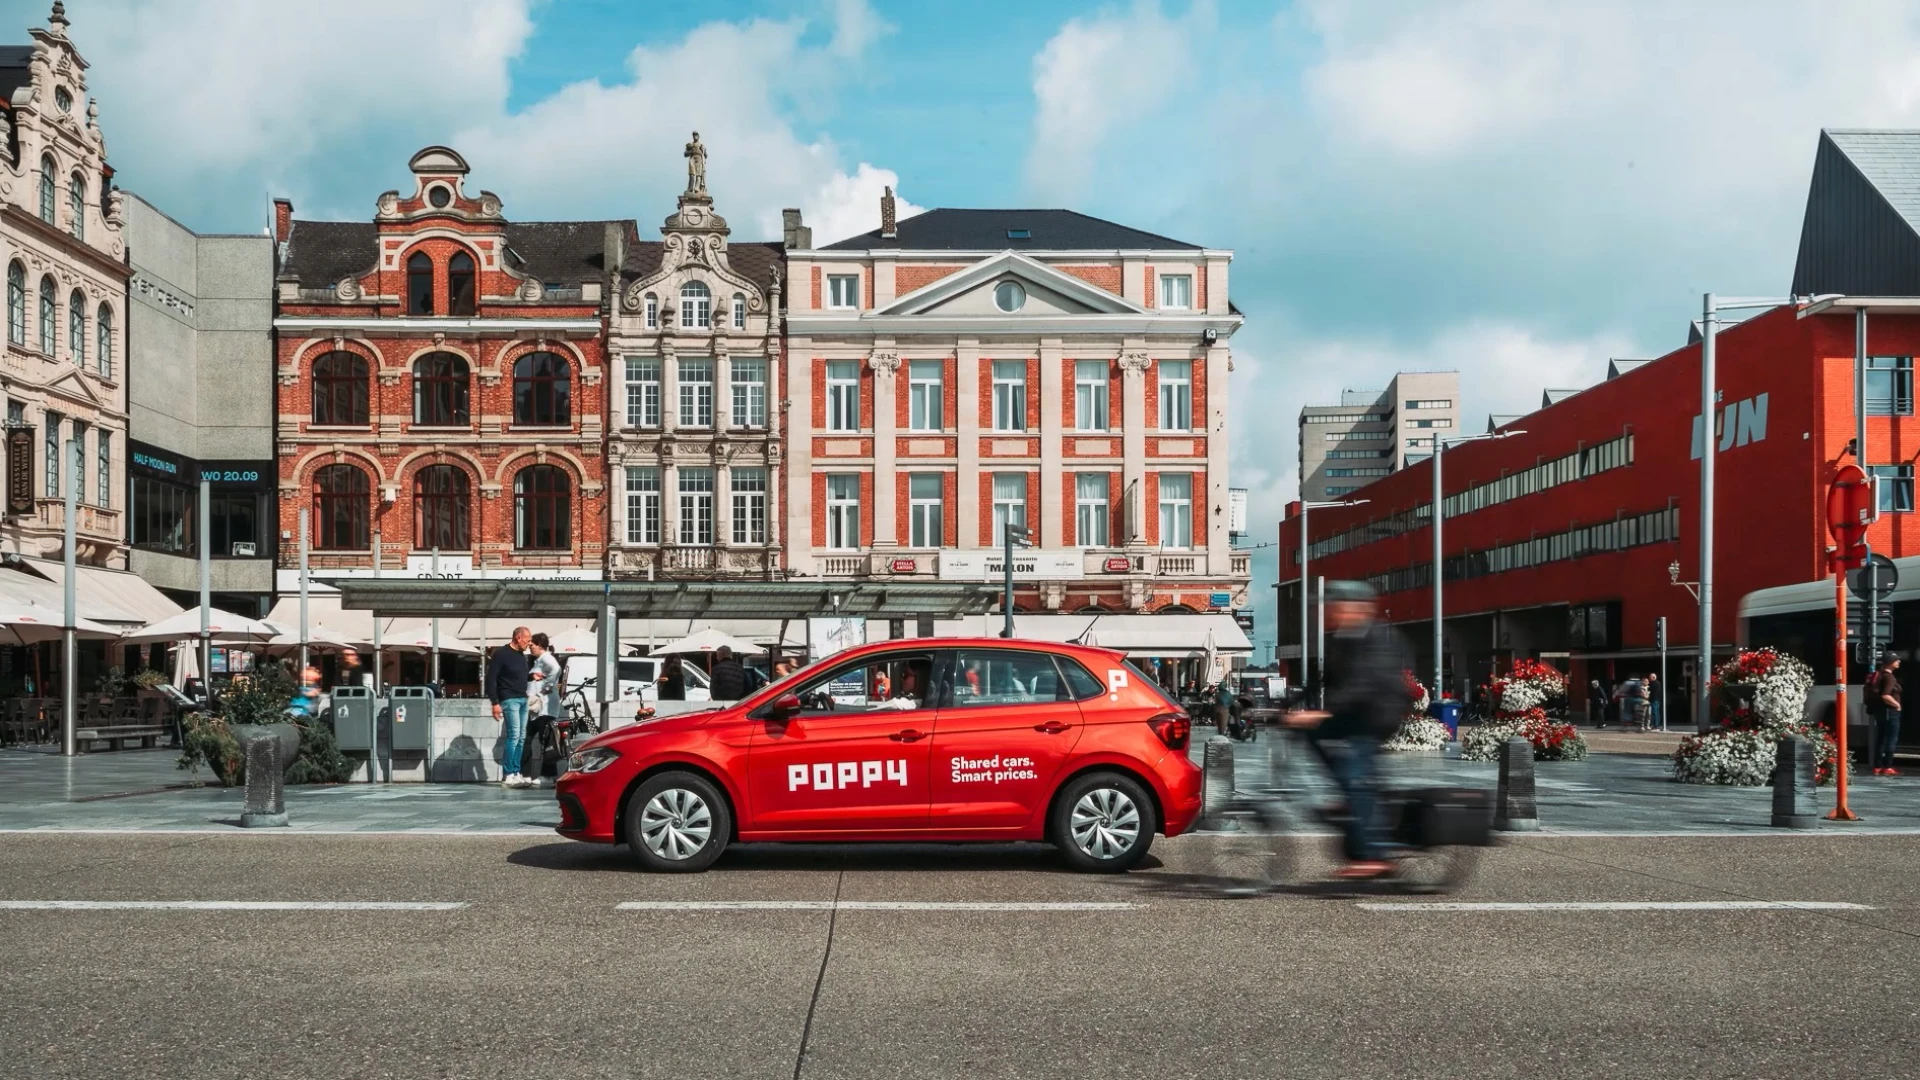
(1530, 702)
(1758, 698)
(1419, 732)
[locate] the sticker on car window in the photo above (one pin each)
(1116, 681)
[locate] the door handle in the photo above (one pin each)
(909, 735)
(1051, 727)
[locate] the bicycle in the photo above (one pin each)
(1434, 835)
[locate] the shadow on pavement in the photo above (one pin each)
(759, 858)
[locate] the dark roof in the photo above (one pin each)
(14, 74)
(320, 253)
(1861, 233)
(987, 230)
(756, 261)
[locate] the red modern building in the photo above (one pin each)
(1561, 540)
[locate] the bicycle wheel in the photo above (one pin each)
(1435, 871)
(1253, 850)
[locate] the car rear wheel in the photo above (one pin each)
(1104, 823)
(677, 823)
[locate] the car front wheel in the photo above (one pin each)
(1104, 823)
(677, 823)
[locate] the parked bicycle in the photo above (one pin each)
(1434, 834)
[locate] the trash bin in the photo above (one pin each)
(353, 718)
(1447, 711)
(412, 709)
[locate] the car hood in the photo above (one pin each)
(656, 725)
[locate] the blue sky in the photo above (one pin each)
(1515, 190)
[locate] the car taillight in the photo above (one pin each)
(1174, 728)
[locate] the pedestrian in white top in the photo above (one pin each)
(543, 705)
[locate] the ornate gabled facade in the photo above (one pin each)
(440, 384)
(696, 421)
(62, 373)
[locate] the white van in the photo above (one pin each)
(639, 676)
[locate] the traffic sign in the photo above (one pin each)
(1851, 507)
(1879, 577)
(1660, 632)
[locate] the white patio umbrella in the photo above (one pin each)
(419, 638)
(28, 624)
(576, 642)
(318, 637)
(186, 663)
(706, 641)
(224, 627)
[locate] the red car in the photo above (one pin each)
(921, 740)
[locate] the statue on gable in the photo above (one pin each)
(696, 155)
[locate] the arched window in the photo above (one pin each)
(440, 391)
(460, 291)
(47, 186)
(542, 385)
(77, 202)
(340, 389)
(77, 328)
(541, 509)
(739, 311)
(653, 312)
(696, 305)
(440, 501)
(419, 284)
(103, 329)
(47, 306)
(340, 497)
(17, 303)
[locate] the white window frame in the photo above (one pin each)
(643, 505)
(1176, 292)
(843, 292)
(1092, 509)
(694, 487)
(748, 489)
(1009, 504)
(1176, 395)
(1009, 395)
(78, 448)
(1092, 393)
(650, 316)
(843, 395)
(104, 466)
(926, 396)
(696, 306)
(843, 512)
(643, 391)
(695, 376)
(926, 514)
(739, 311)
(747, 383)
(1176, 513)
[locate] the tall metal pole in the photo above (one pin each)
(1664, 698)
(1860, 457)
(304, 576)
(70, 648)
(433, 675)
(1320, 644)
(1439, 637)
(1006, 599)
(206, 585)
(377, 661)
(1304, 507)
(1709, 442)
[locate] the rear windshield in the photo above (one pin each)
(1147, 681)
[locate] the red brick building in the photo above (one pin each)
(441, 384)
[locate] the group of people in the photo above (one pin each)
(525, 682)
(1637, 696)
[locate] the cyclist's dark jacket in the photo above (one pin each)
(1367, 690)
(729, 681)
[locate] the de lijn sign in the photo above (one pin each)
(1737, 424)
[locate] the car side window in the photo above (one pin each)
(985, 677)
(896, 681)
(1080, 681)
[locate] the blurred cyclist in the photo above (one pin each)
(1366, 700)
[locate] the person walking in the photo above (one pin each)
(506, 685)
(1883, 700)
(544, 697)
(1222, 705)
(729, 680)
(1597, 702)
(1656, 701)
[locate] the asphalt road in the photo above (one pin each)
(541, 975)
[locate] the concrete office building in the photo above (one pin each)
(200, 376)
(1373, 433)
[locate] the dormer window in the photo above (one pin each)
(651, 312)
(696, 305)
(1019, 234)
(739, 311)
(419, 284)
(47, 188)
(460, 290)
(63, 99)
(439, 196)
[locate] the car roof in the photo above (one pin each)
(1088, 652)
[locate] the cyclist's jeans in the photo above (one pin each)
(513, 734)
(1886, 738)
(1352, 765)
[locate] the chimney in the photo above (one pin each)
(793, 234)
(282, 220)
(887, 229)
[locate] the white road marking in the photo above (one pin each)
(229, 905)
(1623, 905)
(874, 905)
(235, 830)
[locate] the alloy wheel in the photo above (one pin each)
(676, 824)
(1105, 823)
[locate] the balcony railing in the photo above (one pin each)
(1240, 564)
(1179, 564)
(843, 565)
(685, 559)
(90, 520)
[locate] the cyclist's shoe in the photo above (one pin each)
(1364, 870)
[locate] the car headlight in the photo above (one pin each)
(592, 760)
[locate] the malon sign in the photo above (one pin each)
(1737, 424)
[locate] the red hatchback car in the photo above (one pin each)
(922, 740)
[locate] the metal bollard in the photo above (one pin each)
(1216, 783)
(1793, 784)
(266, 786)
(1514, 807)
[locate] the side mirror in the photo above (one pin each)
(784, 708)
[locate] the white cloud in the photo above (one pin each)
(845, 206)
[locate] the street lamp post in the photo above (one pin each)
(1305, 506)
(1012, 535)
(1437, 512)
